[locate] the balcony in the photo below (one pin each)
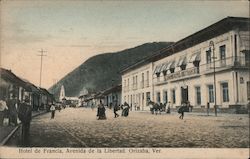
(228, 63)
(220, 65)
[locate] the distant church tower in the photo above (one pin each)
(62, 93)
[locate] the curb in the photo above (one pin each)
(6, 139)
(10, 135)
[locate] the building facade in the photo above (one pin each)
(211, 65)
(137, 87)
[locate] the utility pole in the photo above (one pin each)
(211, 44)
(41, 66)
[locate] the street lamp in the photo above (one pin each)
(211, 45)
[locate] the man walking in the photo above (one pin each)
(25, 115)
(116, 108)
(53, 110)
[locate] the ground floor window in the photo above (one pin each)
(173, 96)
(158, 96)
(225, 94)
(165, 97)
(148, 97)
(211, 93)
(198, 95)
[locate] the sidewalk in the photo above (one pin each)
(8, 131)
(201, 114)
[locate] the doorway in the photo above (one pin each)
(184, 94)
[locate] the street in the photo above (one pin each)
(78, 127)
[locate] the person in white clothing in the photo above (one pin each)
(53, 110)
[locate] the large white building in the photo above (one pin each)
(185, 71)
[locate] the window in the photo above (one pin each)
(223, 54)
(158, 77)
(165, 75)
(225, 94)
(165, 98)
(136, 81)
(208, 55)
(211, 93)
(173, 96)
(142, 80)
(128, 85)
(198, 95)
(147, 83)
(148, 97)
(133, 82)
(171, 70)
(183, 66)
(158, 97)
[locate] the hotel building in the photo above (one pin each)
(211, 65)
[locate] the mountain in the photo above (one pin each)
(102, 71)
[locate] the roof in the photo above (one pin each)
(10, 76)
(45, 91)
(216, 29)
(112, 89)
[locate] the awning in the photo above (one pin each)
(164, 67)
(244, 41)
(158, 69)
(182, 61)
(170, 65)
(195, 57)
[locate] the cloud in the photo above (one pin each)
(15, 32)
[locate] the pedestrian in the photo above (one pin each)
(12, 104)
(116, 108)
(25, 115)
(125, 109)
(168, 109)
(208, 108)
(92, 106)
(181, 110)
(101, 112)
(151, 106)
(3, 111)
(53, 110)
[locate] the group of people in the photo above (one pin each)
(156, 108)
(101, 115)
(13, 109)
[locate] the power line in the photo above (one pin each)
(41, 66)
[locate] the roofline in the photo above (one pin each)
(170, 50)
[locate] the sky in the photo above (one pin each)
(72, 31)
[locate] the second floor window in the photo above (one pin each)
(208, 55)
(171, 70)
(183, 67)
(223, 52)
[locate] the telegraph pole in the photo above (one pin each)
(41, 66)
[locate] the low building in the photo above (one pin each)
(112, 96)
(211, 65)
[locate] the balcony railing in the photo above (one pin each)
(230, 62)
(234, 61)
